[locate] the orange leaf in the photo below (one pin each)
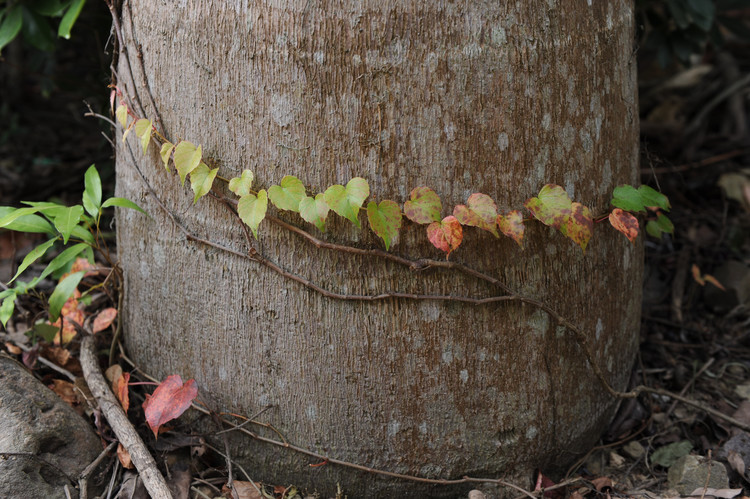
(121, 390)
(170, 399)
(104, 319)
(714, 281)
(124, 456)
(697, 275)
(445, 235)
(625, 223)
(65, 390)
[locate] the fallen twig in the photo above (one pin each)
(118, 420)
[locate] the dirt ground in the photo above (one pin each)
(695, 329)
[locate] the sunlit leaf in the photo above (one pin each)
(62, 292)
(69, 19)
(288, 195)
(27, 223)
(92, 193)
(201, 180)
(166, 153)
(512, 225)
(551, 207)
(346, 201)
(424, 206)
(143, 129)
(187, 157)
(480, 211)
(65, 219)
(122, 203)
(579, 225)
(104, 319)
(445, 235)
(170, 399)
(625, 223)
(84, 235)
(33, 256)
(60, 261)
(17, 213)
(252, 210)
(122, 115)
(241, 185)
(385, 220)
(314, 211)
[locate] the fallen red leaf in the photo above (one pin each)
(121, 390)
(104, 319)
(170, 399)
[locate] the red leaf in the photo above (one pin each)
(625, 223)
(104, 319)
(512, 226)
(121, 390)
(169, 401)
(445, 235)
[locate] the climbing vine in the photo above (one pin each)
(551, 206)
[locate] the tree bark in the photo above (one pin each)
(492, 97)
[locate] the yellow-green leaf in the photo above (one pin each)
(187, 157)
(346, 201)
(166, 153)
(252, 210)
(288, 195)
(143, 131)
(241, 185)
(314, 211)
(122, 115)
(385, 220)
(201, 180)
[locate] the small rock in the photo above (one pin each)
(46, 444)
(690, 472)
(634, 450)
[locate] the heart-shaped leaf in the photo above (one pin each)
(445, 235)
(480, 211)
(288, 195)
(424, 206)
(551, 207)
(187, 157)
(625, 223)
(143, 129)
(579, 225)
(385, 220)
(170, 399)
(314, 211)
(201, 180)
(252, 210)
(241, 185)
(512, 225)
(346, 201)
(122, 115)
(166, 153)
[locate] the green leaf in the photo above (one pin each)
(346, 201)
(122, 115)
(143, 130)
(45, 331)
(385, 220)
(62, 292)
(288, 195)
(17, 213)
(314, 211)
(61, 260)
(69, 18)
(659, 226)
(651, 197)
(201, 180)
(122, 203)
(480, 211)
(27, 223)
(241, 185)
(424, 206)
(166, 153)
(65, 219)
(92, 193)
(6, 309)
(11, 25)
(33, 256)
(551, 207)
(82, 234)
(669, 454)
(49, 8)
(187, 157)
(252, 210)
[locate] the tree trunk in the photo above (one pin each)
(494, 97)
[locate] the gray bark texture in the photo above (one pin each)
(496, 97)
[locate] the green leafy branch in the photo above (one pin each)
(77, 227)
(552, 206)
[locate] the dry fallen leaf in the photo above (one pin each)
(243, 490)
(708, 493)
(170, 399)
(65, 390)
(124, 456)
(736, 462)
(13, 349)
(104, 319)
